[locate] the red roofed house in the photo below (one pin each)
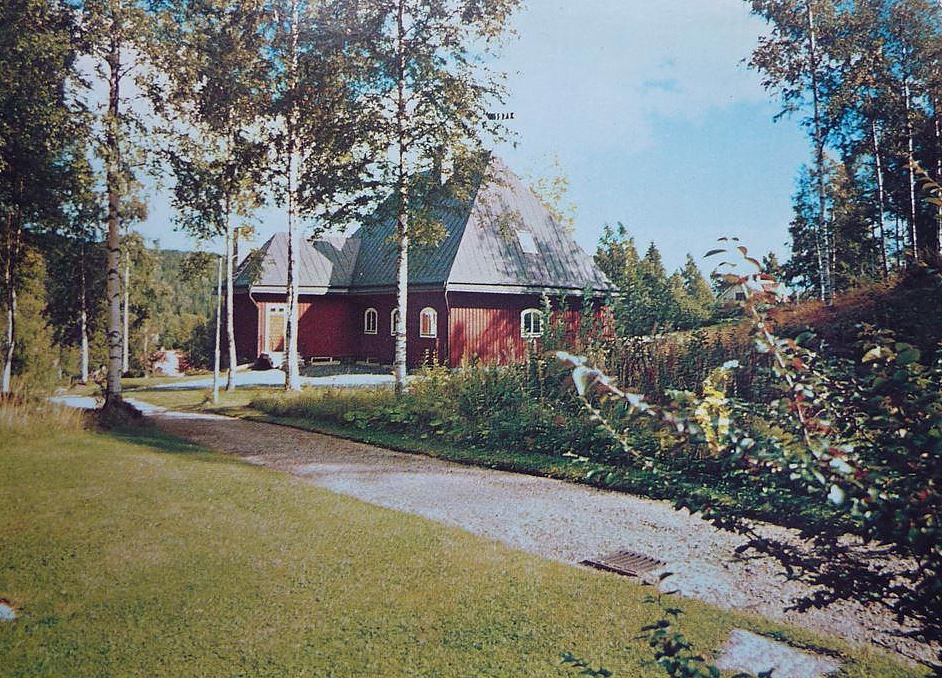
(476, 296)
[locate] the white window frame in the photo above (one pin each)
(392, 321)
(370, 314)
(523, 323)
(433, 314)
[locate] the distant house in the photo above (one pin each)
(476, 296)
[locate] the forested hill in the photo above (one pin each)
(171, 299)
(178, 296)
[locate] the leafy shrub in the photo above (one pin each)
(865, 436)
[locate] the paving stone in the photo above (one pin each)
(745, 651)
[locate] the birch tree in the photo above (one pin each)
(213, 108)
(795, 63)
(319, 131)
(872, 101)
(75, 265)
(118, 40)
(429, 90)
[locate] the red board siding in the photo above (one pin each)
(247, 328)
(486, 327)
(381, 347)
(478, 326)
(326, 327)
(332, 326)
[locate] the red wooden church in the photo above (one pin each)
(477, 295)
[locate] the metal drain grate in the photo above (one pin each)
(625, 562)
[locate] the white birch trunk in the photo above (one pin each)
(292, 374)
(822, 245)
(83, 319)
(125, 353)
(938, 171)
(216, 346)
(402, 259)
(112, 180)
(913, 238)
(230, 314)
(881, 196)
(10, 338)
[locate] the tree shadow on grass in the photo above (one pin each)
(148, 435)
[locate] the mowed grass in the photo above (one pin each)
(137, 554)
(194, 399)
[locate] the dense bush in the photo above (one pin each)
(863, 435)
(517, 409)
(907, 304)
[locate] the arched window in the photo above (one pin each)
(531, 323)
(393, 320)
(428, 322)
(369, 321)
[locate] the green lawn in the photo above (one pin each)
(136, 554)
(188, 399)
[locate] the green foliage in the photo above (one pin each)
(170, 303)
(864, 436)
(515, 409)
(648, 300)
(864, 74)
(35, 357)
(673, 652)
(583, 668)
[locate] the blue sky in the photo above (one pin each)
(654, 119)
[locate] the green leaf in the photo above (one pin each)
(908, 356)
(874, 353)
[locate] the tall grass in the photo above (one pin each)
(325, 404)
(682, 360)
(31, 417)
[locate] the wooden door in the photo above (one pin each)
(276, 329)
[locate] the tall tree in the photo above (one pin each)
(796, 63)
(75, 266)
(873, 101)
(118, 40)
(429, 89)
(319, 128)
(697, 302)
(213, 107)
(38, 122)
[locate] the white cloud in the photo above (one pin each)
(596, 72)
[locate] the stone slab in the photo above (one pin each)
(746, 651)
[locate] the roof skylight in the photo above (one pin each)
(527, 243)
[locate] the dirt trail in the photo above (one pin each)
(547, 517)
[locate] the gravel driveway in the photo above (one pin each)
(547, 517)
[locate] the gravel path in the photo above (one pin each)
(547, 517)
